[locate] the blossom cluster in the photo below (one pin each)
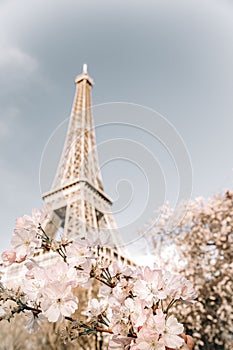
(133, 304)
(26, 238)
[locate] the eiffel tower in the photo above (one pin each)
(76, 201)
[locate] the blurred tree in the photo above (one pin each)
(199, 245)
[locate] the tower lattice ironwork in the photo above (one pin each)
(77, 202)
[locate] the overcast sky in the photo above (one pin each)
(174, 57)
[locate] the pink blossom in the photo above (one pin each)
(33, 288)
(118, 267)
(34, 270)
(31, 222)
(61, 272)
(39, 278)
(93, 240)
(76, 254)
(58, 302)
(158, 333)
(95, 308)
(39, 216)
(147, 340)
(152, 325)
(83, 276)
(24, 242)
(149, 286)
(33, 322)
(118, 342)
(123, 289)
(8, 257)
(188, 293)
(120, 318)
(24, 222)
(105, 292)
(169, 330)
(35, 280)
(138, 314)
(178, 287)
(20, 259)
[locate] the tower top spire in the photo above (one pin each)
(84, 76)
(84, 68)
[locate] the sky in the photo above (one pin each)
(162, 99)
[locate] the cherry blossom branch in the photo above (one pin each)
(130, 303)
(104, 330)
